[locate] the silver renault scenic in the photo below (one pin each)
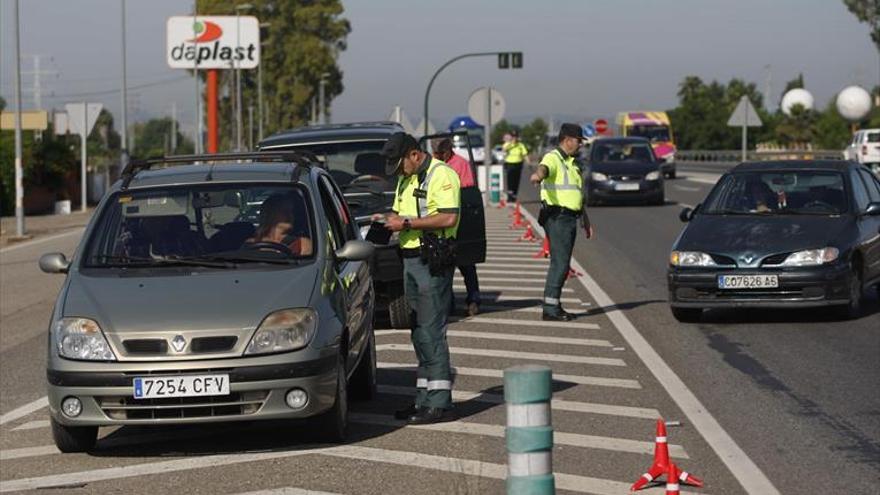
(212, 288)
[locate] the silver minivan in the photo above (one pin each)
(212, 288)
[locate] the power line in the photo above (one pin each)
(117, 90)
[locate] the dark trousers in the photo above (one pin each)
(512, 172)
(561, 230)
(429, 295)
(471, 283)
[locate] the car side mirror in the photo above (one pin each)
(355, 250)
(54, 263)
(686, 215)
(873, 209)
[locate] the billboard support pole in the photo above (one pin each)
(211, 104)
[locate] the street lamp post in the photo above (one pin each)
(19, 189)
(123, 155)
(260, 88)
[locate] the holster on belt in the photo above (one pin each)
(437, 252)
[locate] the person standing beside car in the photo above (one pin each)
(562, 203)
(516, 154)
(425, 213)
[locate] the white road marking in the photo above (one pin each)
(40, 240)
(597, 381)
(537, 288)
(530, 356)
(32, 425)
(492, 264)
(510, 336)
(685, 205)
(559, 438)
(489, 309)
(700, 177)
(24, 410)
(505, 279)
(288, 490)
(533, 323)
(749, 475)
(533, 262)
(536, 299)
(683, 188)
(556, 404)
(10, 454)
(481, 271)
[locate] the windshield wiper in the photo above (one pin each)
(244, 257)
(141, 261)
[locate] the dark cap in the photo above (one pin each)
(571, 130)
(398, 145)
(514, 133)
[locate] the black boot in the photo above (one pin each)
(406, 412)
(431, 415)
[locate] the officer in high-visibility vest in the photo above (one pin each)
(516, 154)
(425, 212)
(562, 198)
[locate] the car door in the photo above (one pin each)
(870, 226)
(471, 236)
(353, 292)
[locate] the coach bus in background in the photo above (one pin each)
(655, 127)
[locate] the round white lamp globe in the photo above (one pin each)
(794, 97)
(854, 103)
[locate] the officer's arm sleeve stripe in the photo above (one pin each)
(447, 210)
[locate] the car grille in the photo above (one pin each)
(198, 345)
(775, 260)
(691, 294)
(145, 347)
(723, 260)
(234, 404)
(625, 178)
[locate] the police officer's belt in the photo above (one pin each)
(411, 252)
(561, 210)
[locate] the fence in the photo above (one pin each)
(736, 155)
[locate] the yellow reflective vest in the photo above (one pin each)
(563, 185)
(516, 152)
(440, 192)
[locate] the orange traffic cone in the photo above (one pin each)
(662, 464)
(672, 481)
(545, 250)
(529, 235)
(502, 203)
(517, 220)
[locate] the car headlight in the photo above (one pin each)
(811, 257)
(599, 177)
(282, 331)
(669, 158)
(655, 175)
(82, 338)
(691, 258)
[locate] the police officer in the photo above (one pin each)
(425, 212)
(516, 154)
(562, 198)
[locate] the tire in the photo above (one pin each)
(399, 312)
(687, 315)
(671, 175)
(853, 309)
(333, 424)
(591, 201)
(71, 439)
(363, 382)
(660, 201)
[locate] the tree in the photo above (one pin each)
(798, 128)
(300, 47)
(832, 131)
(533, 133)
(153, 138)
(796, 83)
(867, 11)
(500, 129)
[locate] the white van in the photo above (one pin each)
(865, 148)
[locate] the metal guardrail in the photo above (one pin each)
(736, 155)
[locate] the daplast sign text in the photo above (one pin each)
(213, 42)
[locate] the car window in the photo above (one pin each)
(337, 217)
(773, 192)
(873, 137)
(872, 185)
(140, 227)
(622, 152)
(860, 193)
(353, 165)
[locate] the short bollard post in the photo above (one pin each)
(527, 392)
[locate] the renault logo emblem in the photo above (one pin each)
(749, 258)
(178, 343)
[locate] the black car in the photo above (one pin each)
(623, 169)
(351, 154)
(779, 235)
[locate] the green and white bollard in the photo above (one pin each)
(527, 392)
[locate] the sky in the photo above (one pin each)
(583, 59)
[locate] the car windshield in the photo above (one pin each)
(651, 132)
(205, 225)
(622, 152)
(353, 165)
(778, 193)
(475, 139)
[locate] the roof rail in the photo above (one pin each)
(134, 166)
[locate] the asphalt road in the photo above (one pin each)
(794, 394)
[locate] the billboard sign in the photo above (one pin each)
(213, 42)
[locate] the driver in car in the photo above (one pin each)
(759, 197)
(276, 227)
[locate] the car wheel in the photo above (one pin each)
(660, 201)
(334, 422)
(399, 312)
(671, 175)
(853, 309)
(687, 315)
(591, 201)
(363, 383)
(74, 438)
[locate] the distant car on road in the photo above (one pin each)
(785, 234)
(865, 149)
(623, 169)
(655, 127)
(498, 153)
(226, 288)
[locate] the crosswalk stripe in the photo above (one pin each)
(521, 280)
(481, 271)
(533, 262)
(493, 264)
(24, 410)
(537, 300)
(511, 336)
(287, 490)
(531, 323)
(488, 308)
(530, 356)
(596, 381)
(537, 288)
(10, 454)
(559, 438)
(32, 425)
(557, 404)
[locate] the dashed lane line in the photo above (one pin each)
(24, 410)
(511, 336)
(556, 404)
(532, 323)
(529, 356)
(749, 475)
(595, 381)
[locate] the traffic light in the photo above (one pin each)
(503, 60)
(516, 59)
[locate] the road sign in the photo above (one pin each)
(213, 42)
(480, 109)
(744, 114)
(601, 126)
(75, 113)
(31, 120)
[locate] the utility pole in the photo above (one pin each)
(260, 114)
(123, 156)
(198, 139)
(322, 116)
(173, 127)
(19, 189)
(37, 83)
(767, 85)
(250, 127)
